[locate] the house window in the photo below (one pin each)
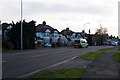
(55, 35)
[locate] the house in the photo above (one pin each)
(43, 34)
(63, 40)
(55, 36)
(67, 33)
(71, 36)
(46, 35)
(5, 28)
(111, 40)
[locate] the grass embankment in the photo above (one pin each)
(62, 73)
(106, 49)
(92, 55)
(117, 57)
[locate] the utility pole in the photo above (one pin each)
(21, 29)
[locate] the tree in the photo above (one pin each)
(100, 36)
(83, 34)
(89, 39)
(29, 31)
(89, 31)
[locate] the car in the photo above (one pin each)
(47, 45)
(81, 43)
(113, 43)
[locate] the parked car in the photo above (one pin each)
(47, 45)
(113, 43)
(80, 43)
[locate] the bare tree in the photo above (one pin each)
(100, 36)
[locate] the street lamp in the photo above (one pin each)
(21, 29)
(84, 29)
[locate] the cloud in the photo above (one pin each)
(62, 12)
(31, 8)
(10, 11)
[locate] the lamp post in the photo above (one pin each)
(84, 29)
(21, 29)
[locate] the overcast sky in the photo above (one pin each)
(65, 13)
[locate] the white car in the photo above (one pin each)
(113, 43)
(47, 45)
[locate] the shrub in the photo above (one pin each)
(7, 45)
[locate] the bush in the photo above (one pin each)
(53, 45)
(7, 45)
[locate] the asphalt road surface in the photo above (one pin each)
(22, 64)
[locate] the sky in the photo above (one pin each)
(60, 14)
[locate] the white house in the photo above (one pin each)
(6, 30)
(43, 37)
(47, 38)
(55, 36)
(73, 37)
(63, 40)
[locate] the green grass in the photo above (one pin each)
(62, 73)
(92, 55)
(106, 49)
(9, 51)
(117, 57)
(14, 51)
(119, 48)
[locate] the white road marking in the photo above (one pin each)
(2, 61)
(47, 67)
(84, 66)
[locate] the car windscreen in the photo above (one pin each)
(82, 41)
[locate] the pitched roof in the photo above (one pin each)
(47, 30)
(67, 32)
(42, 28)
(4, 26)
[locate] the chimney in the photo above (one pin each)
(44, 23)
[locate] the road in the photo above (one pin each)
(22, 64)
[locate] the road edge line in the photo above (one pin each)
(47, 67)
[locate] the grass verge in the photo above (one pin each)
(62, 73)
(92, 55)
(119, 48)
(9, 51)
(106, 49)
(117, 57)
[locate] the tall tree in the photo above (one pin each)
(29, 31)
(89, 31)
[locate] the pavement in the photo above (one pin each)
(105, 67)
(23, 64)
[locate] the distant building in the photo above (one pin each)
(5, 28)
(46, 35)
(71, 36)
